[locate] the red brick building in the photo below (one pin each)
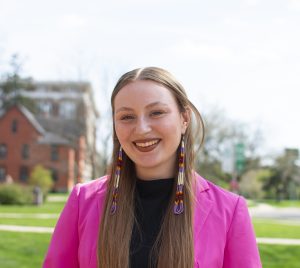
(25, 142)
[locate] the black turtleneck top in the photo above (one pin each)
(151, 201)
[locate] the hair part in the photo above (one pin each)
(174, 246)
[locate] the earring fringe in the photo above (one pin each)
(116, 183)
(178, 206)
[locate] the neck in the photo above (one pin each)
(154, 174)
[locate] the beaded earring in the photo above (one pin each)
(178, 206)
(116, 182)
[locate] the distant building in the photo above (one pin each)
(61, 135)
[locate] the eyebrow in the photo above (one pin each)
(147, 106)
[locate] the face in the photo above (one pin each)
(149, 126)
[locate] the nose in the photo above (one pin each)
(142, 126)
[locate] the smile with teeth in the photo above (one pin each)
(146, 144)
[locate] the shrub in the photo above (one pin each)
(15, 194)
(251, 185)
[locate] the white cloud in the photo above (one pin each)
(294, 4)
(251, 3)
(258, 55)
(72, 21)
(189, 49)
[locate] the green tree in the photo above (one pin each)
(285, 177)
(251, 184)
(221, 135)
(12, 85)
(218, 136)
(42, 178)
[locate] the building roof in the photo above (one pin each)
(51, 133)
(72, 88)
(31, 118)
(52, 138)
(67, 129)
(63, 85)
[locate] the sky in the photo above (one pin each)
(239, 57)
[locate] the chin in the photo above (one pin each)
(147, 164)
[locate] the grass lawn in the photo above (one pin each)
(65, 195)
(27, 250)
(279, 256)
(29, 222)
(276, 228)
(22, 250)
(50, 207)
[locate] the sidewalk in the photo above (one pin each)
(26, 229)
(52, 198)
(277, 241)
(29, 215)
(265, 211)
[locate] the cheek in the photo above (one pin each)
(171, 126)
(122, 132)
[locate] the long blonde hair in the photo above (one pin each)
(174, 246)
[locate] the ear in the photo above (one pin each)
(185, 119)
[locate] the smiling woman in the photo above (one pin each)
(152, 209)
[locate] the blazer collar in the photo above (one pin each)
(201, 184)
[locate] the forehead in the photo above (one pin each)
(142, 93)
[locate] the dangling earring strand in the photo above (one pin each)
(116, 182)
(178, 206)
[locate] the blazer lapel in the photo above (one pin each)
(203, 204)
(101, 193)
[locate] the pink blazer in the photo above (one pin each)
(223, 233)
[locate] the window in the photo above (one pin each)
(25, 151)
(44, 107)
(14, 126)
(54, 152)
(2, 174)
(3, 151)
(67, 109)
(55, 109)
(23, 174)
(54, 174)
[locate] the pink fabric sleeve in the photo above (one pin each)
(241, 249)
(63, 249)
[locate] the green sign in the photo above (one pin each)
(239, 157)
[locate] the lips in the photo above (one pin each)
(146, 145)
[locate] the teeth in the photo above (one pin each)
(146, 144)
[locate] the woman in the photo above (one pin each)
(153, 210)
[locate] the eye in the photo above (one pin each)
(157, 113)
(127, 117)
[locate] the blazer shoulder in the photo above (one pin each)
(221, 194)
(213, 191)
(91, 189)
(225, 204)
